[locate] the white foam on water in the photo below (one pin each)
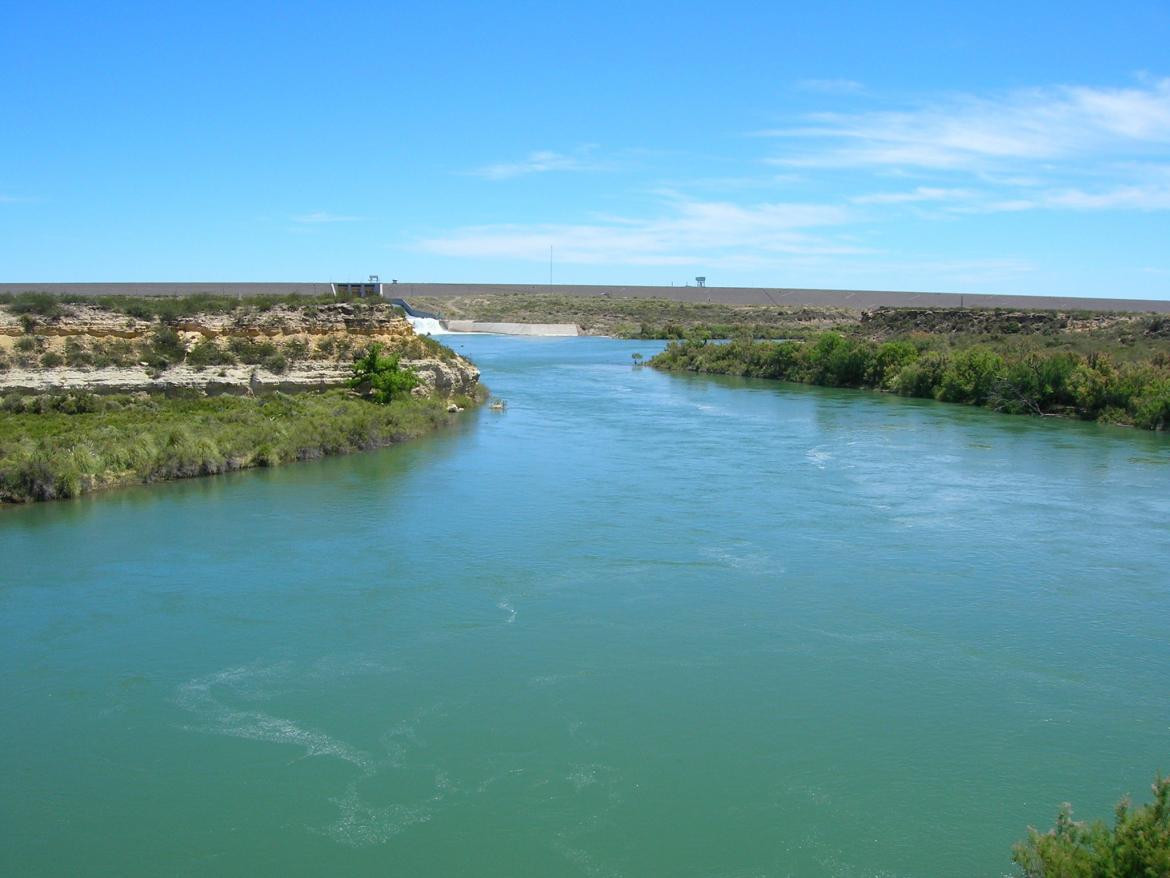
(509, 609)
(362, 825)
(427, 326)
(818, 457)
(583, 776)
(197, 696)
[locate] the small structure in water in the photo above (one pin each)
(497, 405)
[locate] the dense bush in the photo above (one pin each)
(380, 377)
(208, 353)
(888, 361)
(837, 361)
(113, 352)
(1136, 846)
(39, 304)
(252, 351)
(1025, 380)
(165, 348)
(970, 376)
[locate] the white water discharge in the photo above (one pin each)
(426, 325)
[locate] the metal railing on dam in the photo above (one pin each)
(859, 299)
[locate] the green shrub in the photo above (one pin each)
(41, 304)
(166, 345)
(1091, 385)
(1151, 407)
(326, 347)
(76, 353)
(276, 362)
(1136, 846)
(380, 376)
(971, 376)
(295, 349)
(837, 361)
(1034, 383)
(921, 377)
(113, 352)
(251, 351)
(52, 360)
(888, 360)
(208, 353)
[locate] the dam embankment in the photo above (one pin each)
(787, 296)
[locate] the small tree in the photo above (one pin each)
(380, 376)
(637, 358)
(1137, 845)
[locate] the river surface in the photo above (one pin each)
(638, 624)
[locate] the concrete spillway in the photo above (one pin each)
(543, 329)
(427, 325)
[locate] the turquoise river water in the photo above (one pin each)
(638, 624)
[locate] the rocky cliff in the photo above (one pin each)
(289, 348)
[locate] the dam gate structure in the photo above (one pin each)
(372, 287)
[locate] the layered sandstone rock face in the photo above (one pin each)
(246, 351)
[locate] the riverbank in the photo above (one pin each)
(1016, 376)
(62, 446)
(100, 394)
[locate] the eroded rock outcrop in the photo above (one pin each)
(286, 348)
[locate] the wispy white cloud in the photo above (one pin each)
(919, 194)
(685, 232)
(539, 162)
(1135, 197)
(831, 86)
(974, 133)
(322, 216)
(15, 199)
(1142, 197)
(1057, 148)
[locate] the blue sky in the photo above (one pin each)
(995, 147)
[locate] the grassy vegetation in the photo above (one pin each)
(1022, 378)
(1123, 337)
(1136, 846)
(49, 305)
(55, 446)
